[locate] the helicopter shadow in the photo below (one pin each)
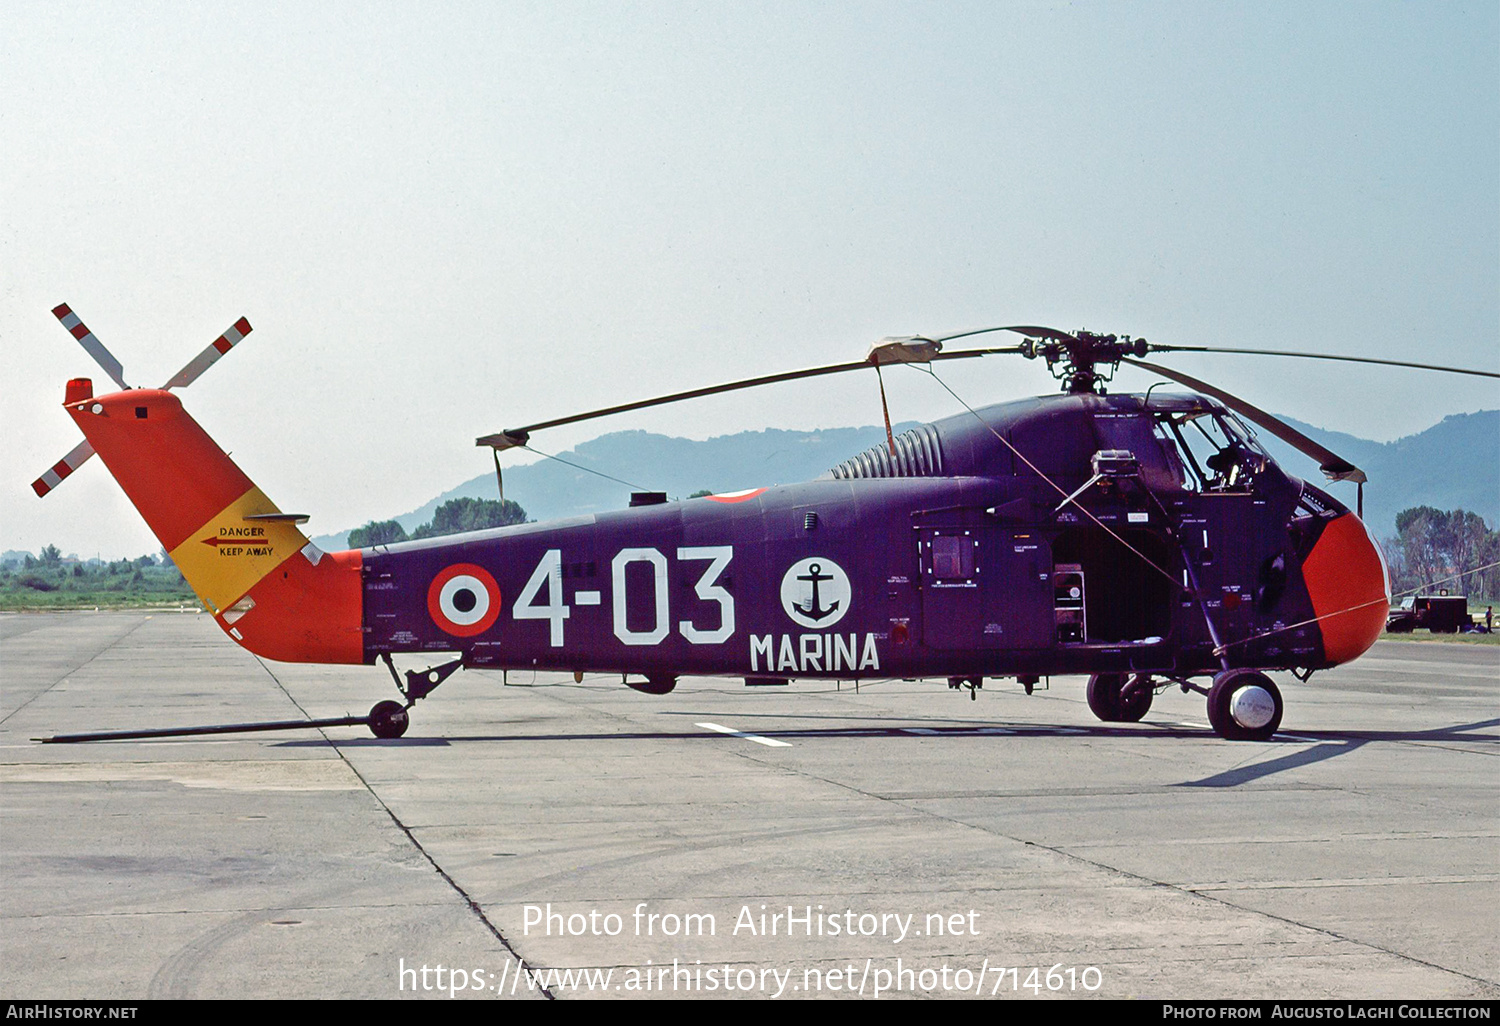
(1325, 745)
(911, 733)
(1332, 744)
(1334, 741)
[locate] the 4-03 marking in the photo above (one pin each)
(556, 611)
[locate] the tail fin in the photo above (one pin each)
(269, 588)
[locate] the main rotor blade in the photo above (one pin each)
(1334, 467)
(103, 357)
(1323, 356)
(517, 436)
(1020, 329)
(206, 359)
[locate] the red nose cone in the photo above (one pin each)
(1351, 594)
(79, 389)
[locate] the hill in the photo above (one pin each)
(1453, 464)
(652, 462)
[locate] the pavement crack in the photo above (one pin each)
(113, 642)
(473, 906)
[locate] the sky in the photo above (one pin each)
(445, 219)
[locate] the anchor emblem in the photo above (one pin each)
(815, 610)
(815, 592)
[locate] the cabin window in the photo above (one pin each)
(952, 557)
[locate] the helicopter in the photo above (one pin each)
(1145, 541)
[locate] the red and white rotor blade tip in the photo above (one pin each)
(62, 468)
(206, 359)
(196, 366)
(91, 345)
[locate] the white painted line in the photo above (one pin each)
(767, 741)
(1209, 727)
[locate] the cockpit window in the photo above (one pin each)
(1184, 478)
(1218, 453)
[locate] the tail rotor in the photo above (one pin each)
(105, 359)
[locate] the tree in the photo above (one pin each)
(459, 515)
(51, 555)
(376, 532)
(1432, 545)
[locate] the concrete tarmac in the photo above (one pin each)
(726, 840)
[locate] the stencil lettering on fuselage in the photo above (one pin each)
(823, 654)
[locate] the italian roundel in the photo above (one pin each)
(464, 600)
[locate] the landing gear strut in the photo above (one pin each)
(389, 719)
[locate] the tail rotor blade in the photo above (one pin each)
(206, 359)
(196, 366)
(103, 357)
(62, 468)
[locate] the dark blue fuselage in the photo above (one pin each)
(953, 555)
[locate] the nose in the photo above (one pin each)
(1350, 589)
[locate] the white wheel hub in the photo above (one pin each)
(1252, 707)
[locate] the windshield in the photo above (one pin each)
(1217, 452)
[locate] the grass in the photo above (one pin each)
(122, 585)
(1419, 637)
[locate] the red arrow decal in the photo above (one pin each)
(257, 540)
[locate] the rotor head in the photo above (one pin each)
(1083, 361)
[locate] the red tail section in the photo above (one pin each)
(269, 588)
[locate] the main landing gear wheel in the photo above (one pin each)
(388, 720)
(1244, 705)
(1115, 700)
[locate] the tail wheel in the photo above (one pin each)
(389, 720)
(1244, 705)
